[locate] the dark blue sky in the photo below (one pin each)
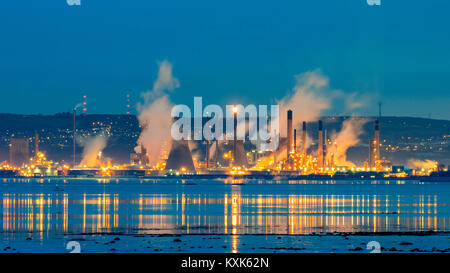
(226, 51)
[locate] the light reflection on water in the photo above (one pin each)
(219, 207)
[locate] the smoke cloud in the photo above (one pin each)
(155, 112)
(352, 129)
(307, 99)
(312, 96)
(78, 106)
(91, 149)
(421, 164)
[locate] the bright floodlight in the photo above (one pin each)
(235, 109)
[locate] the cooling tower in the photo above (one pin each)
(180, 156)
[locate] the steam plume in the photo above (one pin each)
(307, 99)
(155, 112)
(91, 150)
(78, 106)
(312, 95)
(352, 129)
(421, 164)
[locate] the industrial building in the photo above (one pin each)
(19, 151)
(139, 158)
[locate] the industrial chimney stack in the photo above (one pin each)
(304, 138)
(377, 140)
(320, 149)
(295, 140)
(289, 132)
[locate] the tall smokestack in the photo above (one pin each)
(372, 153)
(295, 140)
(377, 140)
(289, 132)
(320, 149)
(304, 138)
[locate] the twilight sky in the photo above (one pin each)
(247, 51)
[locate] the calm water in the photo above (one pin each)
(55, 207)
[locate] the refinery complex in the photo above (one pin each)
(296, 156)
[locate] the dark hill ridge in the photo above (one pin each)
(55, 133)
(408, 137)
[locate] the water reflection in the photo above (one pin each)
(230, 213)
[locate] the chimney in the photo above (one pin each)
(289, 132)
(320, 148)
(377, 141)
(295, 140)
(304, 138)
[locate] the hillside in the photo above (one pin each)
(408, 137)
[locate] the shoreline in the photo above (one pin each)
(247, 177)
(218, 243)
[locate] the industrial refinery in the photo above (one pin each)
(302, 153)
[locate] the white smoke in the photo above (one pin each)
(421, 164)
(155, 113)
(312, 96)
(92, 147)
(196, 152)
(307, 99)
(212, 150)
(352, 129)
(309, 140)
(78, 106)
